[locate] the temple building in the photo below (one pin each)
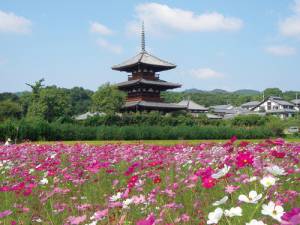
(144, 85)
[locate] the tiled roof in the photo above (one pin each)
(253, 103)
(151, 82)
(296, 101)
(282, 102)
(153, 105)
(222, 107)
(144, 58)
(191, 105)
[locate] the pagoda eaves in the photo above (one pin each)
(144, 60)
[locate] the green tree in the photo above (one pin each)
(272, 92)
(51, 104)
(81, 100)
(10, 110)
(36, 87)
(108, 99)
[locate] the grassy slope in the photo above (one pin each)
(155, 142)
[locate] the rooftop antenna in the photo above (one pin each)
(263, 95)
(143, 43)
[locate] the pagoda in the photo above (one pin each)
(144, 86)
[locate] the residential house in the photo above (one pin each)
(276, 106)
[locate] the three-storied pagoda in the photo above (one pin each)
(144, 85)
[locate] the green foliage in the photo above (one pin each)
(108, 99)
(80, 99)
(9, 109)
(38, 129)
(273, 92)
(8, 129)
(249, 120)
(276, 125)
(180, 133)
(36, 88)
(152, 118)
(51, 103)
(212, 98)
(8, 96)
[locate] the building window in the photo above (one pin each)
(269, 105)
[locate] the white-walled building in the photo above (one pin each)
(296, 102)
(276, 106)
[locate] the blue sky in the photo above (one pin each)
(228, 44)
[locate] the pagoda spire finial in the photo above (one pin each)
(143, 43)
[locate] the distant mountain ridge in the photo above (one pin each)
(220, 91)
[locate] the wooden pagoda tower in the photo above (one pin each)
(144, 86)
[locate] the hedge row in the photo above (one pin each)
(41, 130)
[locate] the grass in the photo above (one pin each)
(156, 142)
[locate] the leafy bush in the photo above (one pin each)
(249, 120)
(37, 129)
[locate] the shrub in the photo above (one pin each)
(249, 120)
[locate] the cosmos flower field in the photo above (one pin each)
(228, 183)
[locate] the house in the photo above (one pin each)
(276, 106)
(193, 107)
(296, 102)
(222, 110)
(250, 105)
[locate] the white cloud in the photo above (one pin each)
(109, 46)
(99, 28)
(281, 50)
(296, 7)
(205, 73)
(290, 26)
(11, 23)
(159, 17)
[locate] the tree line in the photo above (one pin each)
(52, 103)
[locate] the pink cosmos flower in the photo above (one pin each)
(208, 182)
(292, 217)
(204, 172)
(5, 213)
(150, 220)
(243, 159)
(230, 189)
(100, 214)
(76, 220)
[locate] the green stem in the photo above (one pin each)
(259, 205)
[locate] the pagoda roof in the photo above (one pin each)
(161, 83)
(144, 58)
(159, 105)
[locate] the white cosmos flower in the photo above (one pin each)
(126, 203)
(275, 211)
(276, 170)
(268, 181)
(256, 222)
(221, 201)
(251, 179)
(115, 197)
(221, 173)
(214, 217)
(44, 181)
(234, 211)
(92, 223)
(253, 197)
